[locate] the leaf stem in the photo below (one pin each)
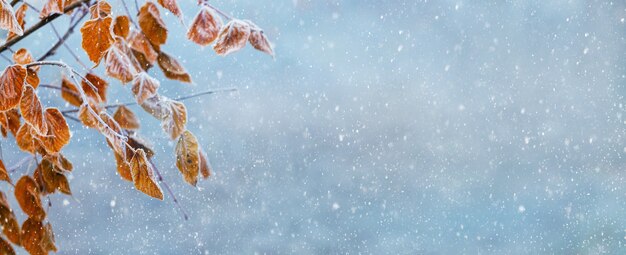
(169, 190)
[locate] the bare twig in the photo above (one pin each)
(169, 190)
(62, 40)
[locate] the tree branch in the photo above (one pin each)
(39, 24)
(62, 39)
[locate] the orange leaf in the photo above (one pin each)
(100, 10)
(10, 120)
(258, 40)
(205, 26)
(172, 68)
(121, 26)
(118, 64)
(175, 123)
(58, 131)
(143, 175)
(32, 111)
(23, 57)
(152, 25)
(60, 162)
(51, 178)
(87, 116)
(70, 93)
(126, 118)
(8, 20)
(96, 38)
(97, 92)
(4, 175)
(5, 248)
(52, 7)
(232, 37)
(37, 238)
(123, 168)
(188, 157)
(172, 6)
(205, 167)
(11, 86)
(25, 139)
(113, 132)
(140, 43)
(27, 195)
(10, 226)
(19, 16)
(136, 142)
(144, 87)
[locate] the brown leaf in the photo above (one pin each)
(32, 111)
(173, 114)
(205, 166)
(23, 57)
(11, 86)
(152, 25)
(52, 178)
(205, 26)
(144, 87)
(4, 175)
(5, 248)
(140, 43)
(97, 37)
(123, 168)
(8, 221)
(136, 142)
(25, 139)
(8, 20)
(87, 116)
(188, 157)
(27, 195)
(232, 37)
(97, 92)
(37, 238)
(113, 132)
(19, 16)
(126, 118)
(101, 9)
(60, 162)
(10, 120)
(118, 64)
(172, 69)
(258, 40)
(172, 6)
(143, 175)
(121, 26)
(70, 93)
(142, 62)
(52, 7)
(58, 131)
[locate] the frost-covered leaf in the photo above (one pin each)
(152, 25)
(58, 134)
(19, 16)
(121, 26)
(144, 87)
(9, 223)
(70, 92)
(8, 20)
(100, 10)
(27, 196)
(96, 37)
(258, 40)
(10, 120)
(139, 43)
(52, 7)
(205, 26)
(32, 111)
(205, 166)
(171, 6)
(126, 118)
(4, 175)
(188, 157)
(232, 37)
(11, 86)
(97, 92)
(118, 64)
(5, 248)
(172, 69)
(143, 175)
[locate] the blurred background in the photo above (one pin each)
(382, 127)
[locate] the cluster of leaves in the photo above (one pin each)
(127, 50)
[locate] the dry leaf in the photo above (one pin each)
(172, 68)
(87, 116)
(60, 162)
(58, 131)
(10, 226)
(205, 26)
(121, 26)
(8, 20)
(172, 6)
(4, 175)
(27, 195)
(144, 87)
(52, 7)
(136, 142)
(10, 120)
(152, 25)
(32, 111)
(140, 43)
(118, 64)
(188, 157)
(25, 139)
(97, 92)
(258, 40)
(11, 86)
(232, 37)
(51, 178)
(19, 16)
(113, 133)
(5, 248)
(37, 238)
(23, 57)
(174, 125)
(142, 62)
(205, 166)
(97, 37)
(143, 175)
(126, 118)
(70, 93)
(123, 168)
(101, 9)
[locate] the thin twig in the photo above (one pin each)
(62, 40)
(169, 190)
(39, 25)
(177, 99)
